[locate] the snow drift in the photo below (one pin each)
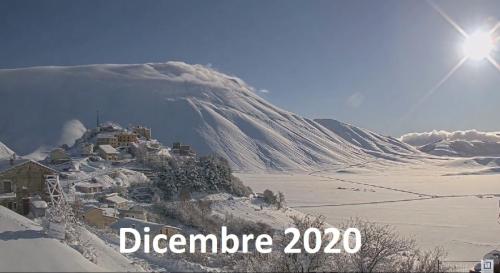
(20, 237)
(212, 111)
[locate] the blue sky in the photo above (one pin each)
(362, 62)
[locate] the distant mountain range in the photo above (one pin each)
(462, 148)
(212, 111)
(469, 143)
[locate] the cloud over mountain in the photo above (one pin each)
(194, 104)
(419, 139)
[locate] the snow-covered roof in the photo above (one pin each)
(116, 199)
(110, 212)
(106, 135)
(7, 165)
(89, 206)
(108, 149)
(39, 204)
(88, 185)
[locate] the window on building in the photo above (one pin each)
(7, 186)
(12, 205)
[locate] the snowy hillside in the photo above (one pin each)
(368, 141)
(20, 237)
(462, 148)
(5, 152)
(193, 104)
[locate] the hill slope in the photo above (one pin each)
(20, 237)
(189, 103)
(368, 141)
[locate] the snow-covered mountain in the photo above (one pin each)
(5, 152)
(462, 148)
(369, 141)
(469, 143)
(212, 111)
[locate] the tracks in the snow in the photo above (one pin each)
(420, 196)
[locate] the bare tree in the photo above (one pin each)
(305, 261)
(422, 261)
(278, 261)
(382, 250)
(380, 246)
(205, 207)
(280, 200)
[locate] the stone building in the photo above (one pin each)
(88, 187)
(126, 138)
(20, 180)
(58, 156)
(107, 152)
(99, 217)
(115, 201)
(143, 132)
(107, 139)
(182, 150)
(135, 212)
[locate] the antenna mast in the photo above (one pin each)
(97, 119)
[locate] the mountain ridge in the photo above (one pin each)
(212, 111)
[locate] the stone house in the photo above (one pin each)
(136, 212)
(88, 187)
(20, 180)
(86, 149)
(107, 139)
(116, 201)
(99, 217)
(58, 156)
(182, 150)
(107, 152)
(126, 138)
(143, 132)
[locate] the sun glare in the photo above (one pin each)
(478, 45)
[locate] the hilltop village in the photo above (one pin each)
(94, 174)
(114, 177)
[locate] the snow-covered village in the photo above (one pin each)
(249, 136)
(115, 177)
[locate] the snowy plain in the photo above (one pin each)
(432, 201)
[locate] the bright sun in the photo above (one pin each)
(478, 45)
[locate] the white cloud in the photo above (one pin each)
(419, 139)
(72, 130)
(265, 91)
(355, 100)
